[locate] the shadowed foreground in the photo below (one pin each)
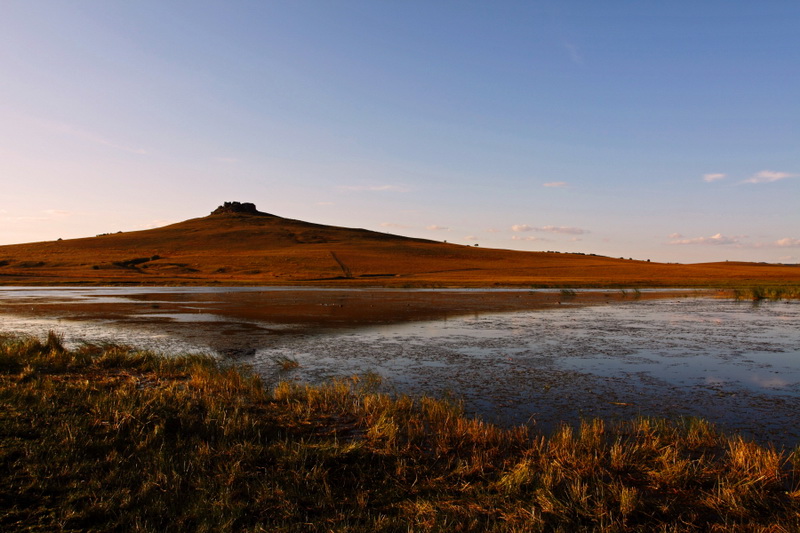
(107, 438)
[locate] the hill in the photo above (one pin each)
(237, 244)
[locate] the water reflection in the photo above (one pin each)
(518, 358)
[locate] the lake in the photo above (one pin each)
(513, 356)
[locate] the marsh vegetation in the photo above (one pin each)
(767, 292)
(105, 437)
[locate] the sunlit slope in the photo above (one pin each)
(252, 249)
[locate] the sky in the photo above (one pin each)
(654, 130)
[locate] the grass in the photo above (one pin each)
(270, 250)
(286, 362)
(568, 294)
(768, 292)
(107, 438)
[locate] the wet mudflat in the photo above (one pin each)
(513, 356)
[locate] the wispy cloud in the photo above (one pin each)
(713, 177)
(556, 184)
(43, 215)
(739, 241)
(768, 176)
(528, 238)
(549, 229)
(374, 188)
(435, 227)
(574, 53)
(67, 129)
(471, 238)
(56, 213)
(562, 229)
(157, 223)
(717, 239)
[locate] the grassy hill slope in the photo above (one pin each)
(233, 246)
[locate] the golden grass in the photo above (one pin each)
(108, 438)
(241, 249)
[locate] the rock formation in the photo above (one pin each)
(238, 208)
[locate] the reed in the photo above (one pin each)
(758, 293)
(108, 438)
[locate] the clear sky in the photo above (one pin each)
(655, 130)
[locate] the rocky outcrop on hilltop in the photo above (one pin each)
(238, 208)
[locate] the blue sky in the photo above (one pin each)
(655, 130)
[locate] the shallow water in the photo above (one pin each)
(733, 363)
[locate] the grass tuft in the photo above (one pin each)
(286, 363)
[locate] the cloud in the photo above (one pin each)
(471, 238)
(66, 129)
(434, 227)
(738, 240)
(717, 239)
(43, 216)
(768, 176)
(788, 243)
(549, 229)
(56, 213)
(557, 184)
(493, 230)
(373, 188)
(562, 229)
(713, 177)
(528, 238)
(157, 223)
(574, 53)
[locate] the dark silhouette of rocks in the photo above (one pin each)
(238, 208)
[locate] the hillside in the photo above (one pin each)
(236, 244)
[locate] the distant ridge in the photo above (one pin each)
(239, 245)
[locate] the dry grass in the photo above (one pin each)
(266, 250)
(769, 292)
(107, 438)
(287, 363)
